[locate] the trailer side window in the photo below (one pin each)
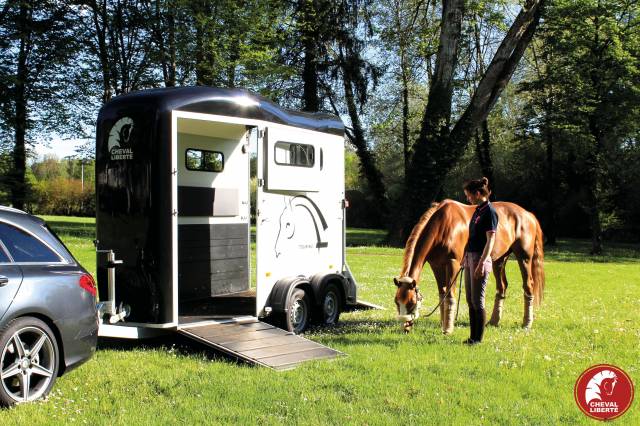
(204, 161)
(294, 154)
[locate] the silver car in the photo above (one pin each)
(48, 316)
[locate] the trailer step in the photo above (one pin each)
(258, 343)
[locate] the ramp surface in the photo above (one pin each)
(258, 343)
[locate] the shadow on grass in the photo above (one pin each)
(386, 333)
(572, 250)
(172, 343)
(366, 237)
(73, 229)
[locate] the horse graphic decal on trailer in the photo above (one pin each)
(298, 212)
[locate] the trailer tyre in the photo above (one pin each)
(29, 358)
(298, 313)
(331, 305)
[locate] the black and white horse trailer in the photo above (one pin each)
(173, 177)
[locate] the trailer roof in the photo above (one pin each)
(228, 102)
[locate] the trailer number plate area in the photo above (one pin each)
(259, 343)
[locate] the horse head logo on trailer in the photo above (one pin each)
(298, 213)
(120, 139)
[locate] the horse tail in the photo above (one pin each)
(414, 237)
(537, 265)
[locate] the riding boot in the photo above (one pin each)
(472, 326)
(481, 319)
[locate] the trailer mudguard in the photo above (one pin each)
(282, 291)
(319, 282)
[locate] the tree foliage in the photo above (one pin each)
(542, 97)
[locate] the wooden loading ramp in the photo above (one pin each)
(258, 343)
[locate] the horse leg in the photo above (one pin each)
(450, 305)
(501, 289)
(440, 275)
(527, 286)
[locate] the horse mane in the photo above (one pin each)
(414, 237)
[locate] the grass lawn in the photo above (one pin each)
(590, 315)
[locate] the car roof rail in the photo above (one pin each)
(12, 209)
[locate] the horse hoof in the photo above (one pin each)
(447, 332)
(493, 323)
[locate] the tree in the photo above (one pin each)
(408, 36)
(441, 141)
(118, 35)
(591, 64)
(37, 45)
(235, 44)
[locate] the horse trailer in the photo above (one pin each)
(173, 222)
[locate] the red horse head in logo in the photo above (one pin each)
(601, 386)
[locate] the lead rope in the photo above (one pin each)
(447, 293)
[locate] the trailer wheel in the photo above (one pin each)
(28, 361)
(298, 313)
(331, 305)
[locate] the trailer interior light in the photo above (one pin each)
(88, 284)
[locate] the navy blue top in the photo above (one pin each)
(484, 219)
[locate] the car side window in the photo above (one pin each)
(3, 256)
(24, 247)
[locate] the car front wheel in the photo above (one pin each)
(29, 360)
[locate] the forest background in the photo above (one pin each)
(542, 97)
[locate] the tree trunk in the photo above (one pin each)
(100, 13)
(310, 99)
(367, 160)
(171, 28)
(425, 176)
(167, 49)
(200, 66)
(483, 152)
(593, 180)
(437, 150)
(550, 228)
(18, 184)
(405, 124)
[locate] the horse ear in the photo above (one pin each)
(396, 282)
(413, 283)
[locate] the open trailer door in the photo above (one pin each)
(299, 206)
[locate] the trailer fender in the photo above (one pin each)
(282, 290)
(320, 281)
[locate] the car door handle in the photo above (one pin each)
(3, 281)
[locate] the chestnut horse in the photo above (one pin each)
(440, 237)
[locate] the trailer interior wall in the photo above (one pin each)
(213, 237)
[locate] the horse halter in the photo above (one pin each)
(415, 313)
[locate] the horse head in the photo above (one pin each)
(607, 385)
(408, 300)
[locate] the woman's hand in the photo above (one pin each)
(479, 271)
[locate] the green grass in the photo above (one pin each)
(590, 315)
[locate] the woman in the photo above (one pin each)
(477, 263)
